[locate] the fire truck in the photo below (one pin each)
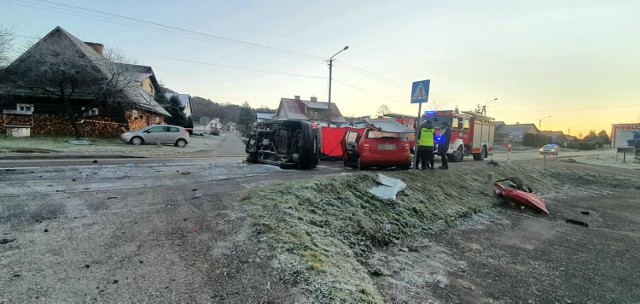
(471, 133)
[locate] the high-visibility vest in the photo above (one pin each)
(426, 137)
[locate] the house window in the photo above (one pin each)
(92, 112)
(24, 108)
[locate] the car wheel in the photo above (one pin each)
(360, 165)
(181, 143)
(252, 158)
(458, 155)
(405, 167)
(137, 141)
(288, 166)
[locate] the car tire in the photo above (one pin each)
(137, 141)
(359, 165)
(252, 158)
(288, 166)
(181, 143)
(458, 155)
(480, 156)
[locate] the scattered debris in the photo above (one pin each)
(46, 230)
(493, 163)
(73, 179)
(129, 165)
(81, 142)
(576, 222)
(87, 266)
(111, 197)
(194, 189)
(518, 195)
(115, 282)
(95, 161)
(195, 229)
(6, 241)
(388, 187)
(185, 173)
(17, 275)
(585, 212)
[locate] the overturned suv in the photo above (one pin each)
(290, 144)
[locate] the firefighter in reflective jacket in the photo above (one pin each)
(425, 145)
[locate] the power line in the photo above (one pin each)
(386, 80)
(228, 66)
(172, 30)
(210, 64)
(78, 11)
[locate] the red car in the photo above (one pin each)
(371, 147)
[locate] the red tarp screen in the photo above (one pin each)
(331, 138)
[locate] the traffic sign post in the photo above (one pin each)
(419, 94)
(420, 91)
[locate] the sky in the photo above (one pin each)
(570, 65)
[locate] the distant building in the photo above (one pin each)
(513, 134)
(263, 115)
(309, 110)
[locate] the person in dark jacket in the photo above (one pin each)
(443, 144)
(426, 142)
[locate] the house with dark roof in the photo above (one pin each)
(309, 110)
(79, 80)
(513, 134)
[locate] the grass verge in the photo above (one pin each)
(324, 230)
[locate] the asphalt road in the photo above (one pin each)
(171, 230)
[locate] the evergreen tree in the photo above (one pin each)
(246, 118)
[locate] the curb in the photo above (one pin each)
(26, 156)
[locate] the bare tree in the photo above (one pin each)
(6, 42)
(383, 110)
(80, 82)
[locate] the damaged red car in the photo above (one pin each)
(381, 144)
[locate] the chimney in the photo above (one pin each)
(98, 47)
(296, 97)
(314, 99)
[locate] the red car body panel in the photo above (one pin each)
(520, 197)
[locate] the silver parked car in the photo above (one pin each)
(154, 134)
(549, 149)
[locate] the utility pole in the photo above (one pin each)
(330, 71)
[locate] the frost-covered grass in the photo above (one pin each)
(63, 144)
(325, 230)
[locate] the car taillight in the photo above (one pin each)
(366, 146)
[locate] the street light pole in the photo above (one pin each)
(484, 108)
(540, 121)
(330, 70)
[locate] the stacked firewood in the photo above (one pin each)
(48, 124)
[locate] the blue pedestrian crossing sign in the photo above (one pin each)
(420, 91)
